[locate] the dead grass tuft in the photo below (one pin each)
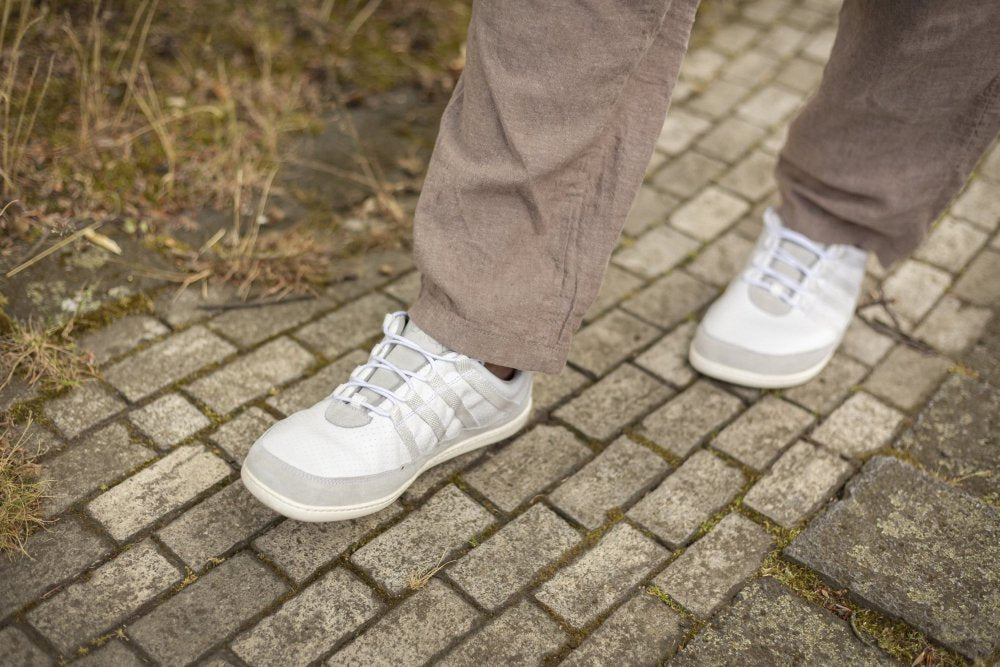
(21, 491)
(47, 358)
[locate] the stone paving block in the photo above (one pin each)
(522, 635)
(121, 336)
(906, 376)
(311, 623)
(771, 625)
(667, 358)
(764, 11)
(519, 471)
(334, 334)
(951, 244)
(864, 343)
(801, 75)
(649, 208)
(782, 40)
(358, 275)
(157, 490)
(862, 425)
(687, 498)
(497, 569)
(248, 326)
(979, 204)
(670, 299)
(798, 484)
(588, 587)
(421, 541)
(607, 407)
(113, 654)
(315, 388)
(830, 387)
(550, 389)
(701, 64)
(733, 38)
(690, 418)
(169, 420)
(166, 362)
(818, 48)
(980, 284)
(656, 251)
(616, 285)
(719, 262)
(953, 326)
(57, 553)
(753, 178)
(413, 632)
(709, 213)
(405, 289)
(914, 288)
(437, 475)
(237, 436)
(687, 174)
(769, 106)
(761, 433)
(983, 356)
(97, 460)
(175, 632)
(775, 141)
(300, 549)
(113, 592)
(215, 525)
(915, 548)
(620, 473)
(751, 68)
(730, 139)
(643, 631)
(718, 98)
(680, 129)
(252, 375)
(21, 651)
(81, 408)
(956, 435)
(712, 569)
(607, 342)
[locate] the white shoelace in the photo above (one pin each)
(767, 266)
(344, 392)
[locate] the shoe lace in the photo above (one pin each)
(768, 276)
(350, 392)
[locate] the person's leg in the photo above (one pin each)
(540, 154)
(909, 101)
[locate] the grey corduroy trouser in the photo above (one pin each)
(543, 146)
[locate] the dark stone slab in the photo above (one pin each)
(915, 548)
(958, 434)
(770, 625)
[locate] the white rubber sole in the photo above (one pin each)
(317, 513)
(756, 380)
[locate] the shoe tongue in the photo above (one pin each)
(344, 414)
(766, 300)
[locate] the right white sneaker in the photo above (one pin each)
(781, 319)
(413, 405)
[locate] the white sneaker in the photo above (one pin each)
(412, 405)
(781, 319)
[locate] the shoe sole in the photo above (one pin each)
(747, 378)
(318, 513)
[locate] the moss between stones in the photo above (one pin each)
(893, 636)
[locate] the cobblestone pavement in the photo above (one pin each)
(646, 514)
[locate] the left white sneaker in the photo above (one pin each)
(781, 319)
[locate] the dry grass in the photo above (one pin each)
(135, 113)
(21, 491)
(43, 357)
